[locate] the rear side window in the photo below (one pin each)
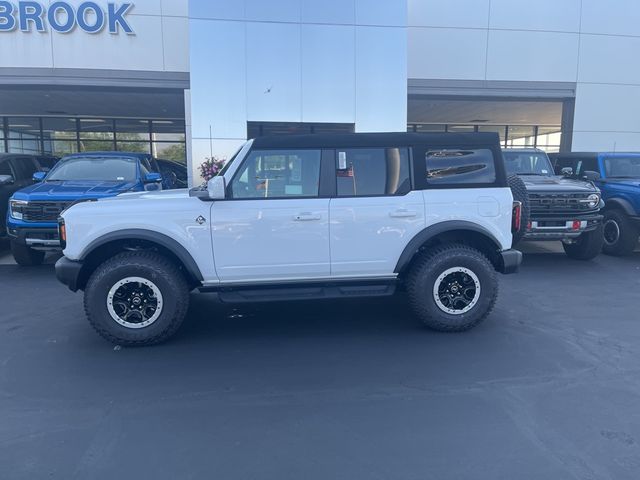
(460, 167)
(372, 171)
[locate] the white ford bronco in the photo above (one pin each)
(303, 217)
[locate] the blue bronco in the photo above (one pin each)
(618, 177)
(33, 211)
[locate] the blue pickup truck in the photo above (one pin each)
(33, 211)
(617, 174)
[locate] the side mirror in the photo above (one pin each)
(6, 180)
(39, 176)
(591, 175)
(152, 177)
(567, 171)
(216, 188)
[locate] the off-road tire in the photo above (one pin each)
(587, 246)
(628, 234)
(519, 193)
(425, 272)
(151, 266)
(26, 256)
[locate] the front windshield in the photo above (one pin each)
(104, 169)
(527, 163)
(622, 167)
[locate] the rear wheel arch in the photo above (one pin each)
(449, 232)
(113, 243)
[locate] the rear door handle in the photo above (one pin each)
(307, 217)
(403, 213)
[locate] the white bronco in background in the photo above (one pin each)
(303, 217)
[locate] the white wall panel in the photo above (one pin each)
(19, 49)
(381, 12)
(175, 43)
(449, 13)
(273, 72)
(605, 142)
(217, 9)
(328, 11)
(328, 73)
(609, 108)
(614, 17)
(218, 88)
(532, 56)
(381, 79)
(175, 8)
(142, 51)
(548, 15)
(273, 10)
(608, 59)
(446, 53)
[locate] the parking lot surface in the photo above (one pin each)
(547, 388)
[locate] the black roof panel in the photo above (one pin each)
(400, 139)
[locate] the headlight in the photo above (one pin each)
(593, 200)
(17, 208)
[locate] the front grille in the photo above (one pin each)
(43, 211)
(559, 203)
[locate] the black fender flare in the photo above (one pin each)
(433, 230)
(158, 238)
(620, 203)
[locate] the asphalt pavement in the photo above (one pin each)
(547, 388)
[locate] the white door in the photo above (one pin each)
(375, 213)
(273, 227)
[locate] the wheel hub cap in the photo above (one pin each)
(456, 290)
(134, 302)
(611, 232)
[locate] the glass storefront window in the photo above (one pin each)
(136, 147)
(170, 151)
(521, 136)
(167, 130)
(96, 129)
(96, 146)
(132, 130)
(461, 128)
(499, 129)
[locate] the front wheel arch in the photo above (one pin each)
(127, 240)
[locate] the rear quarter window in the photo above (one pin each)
(459, 167)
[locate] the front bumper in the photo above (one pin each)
(510, 261)
(68, 273)
(39, 238)
(554, 228)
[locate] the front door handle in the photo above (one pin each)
(306, 217)
(403, 213)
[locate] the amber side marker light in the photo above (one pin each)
(62, 233)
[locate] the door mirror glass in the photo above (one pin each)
(216, 187)
(6, 179)
(567, 171)
(39, 176)
(591, 175)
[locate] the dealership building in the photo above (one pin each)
(193, 79)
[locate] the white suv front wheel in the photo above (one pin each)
(136, 298)
(452, 288)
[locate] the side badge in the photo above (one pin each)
(200, 220)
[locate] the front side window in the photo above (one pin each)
(372, 171)
(278, 174)
(459, 167)
(105, 169)
(5, 168)
(622, 167)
